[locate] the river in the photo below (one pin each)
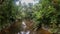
(24, 26)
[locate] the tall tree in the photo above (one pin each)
(7, 13)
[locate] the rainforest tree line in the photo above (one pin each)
(45, 12)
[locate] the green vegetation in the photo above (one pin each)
(45, 12)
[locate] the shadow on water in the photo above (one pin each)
(24, 27)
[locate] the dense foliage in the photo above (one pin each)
(45, 12)
(7, 13)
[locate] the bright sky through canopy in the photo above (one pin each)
(26, 2)
(17, 2)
